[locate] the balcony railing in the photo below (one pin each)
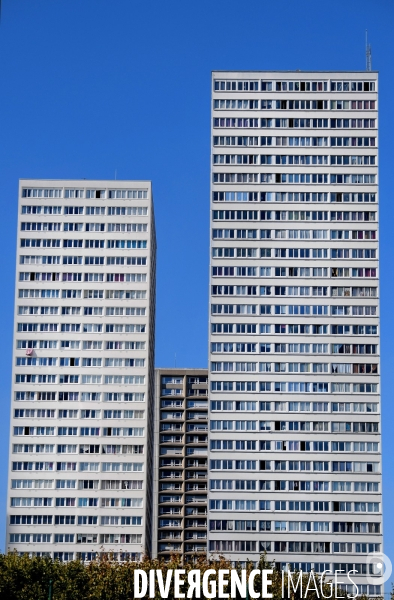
(196, 487)
(195, 475)
(196, 499)
(196, 523)
(196, 548)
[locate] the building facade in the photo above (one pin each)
(295, 450)
(180, 463)
(83, 370)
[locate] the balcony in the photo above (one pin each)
(197, 380)
(192, 416)
(197, 392)
(196, 511)
(167, 450)
(168, 427)
(172, 416)
(171, 392)
(196, 548)
(196, 499)
(171, 380)
(168, 462)
(196, 487)
(170, 535)
(196, 475)
(171, 474)
(197, 427)
(168, 547)
(198, 462)
(171, 439)
(197, 439)
(170, 498)
(203, 404)
(171, 404)
(198, 535)
(168, 487)
(203, 451)
(200, 523)
(170, 510)
(170, 522)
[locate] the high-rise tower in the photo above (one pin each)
(83, 370)
(295, 463)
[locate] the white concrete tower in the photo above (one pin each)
(83, 370)
(295, 450)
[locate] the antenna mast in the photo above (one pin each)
(368, 53)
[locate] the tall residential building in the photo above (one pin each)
(83, 370)
(295, 449)
(180, 463)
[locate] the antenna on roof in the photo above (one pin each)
(368, 53)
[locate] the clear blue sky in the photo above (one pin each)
(92, 86)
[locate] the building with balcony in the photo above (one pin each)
(180, 463)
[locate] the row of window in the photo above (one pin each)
(76, 344)
(327, 426)
(80, 538)
(31, 396)
(294, 309)
(73, 193)
(71, 226)
(292, 178)
(295, 505)
(232, 104)
(240, 252)
(295, 485)
(295, 234)
(73, 466)
(283, 328)
(293, 197)
(127, 211)
(78, 362)
(220, 85)
(281, 406)
(253, 290)
(251, 328)
(97, 294)
(69, 243)
(249, 122)
(290, 446)
(84, 379)
(72, 520)
(302, 348)
(292, 159)
(354, 272)
(50, 413)
(83, 502)
(79, 260)
(73, 328)
(294, 387)
(295, 141)
(291, 546)
(315, 526)
(81, 431)
(74, 449)
(93, 277)
(296, 367)
(91, 556)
